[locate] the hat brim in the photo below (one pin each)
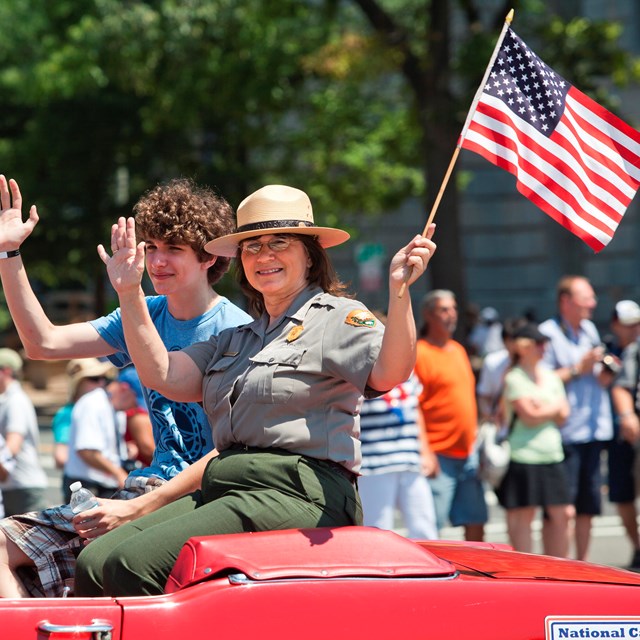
(629, 322)
(105, 369)
(534, 337)
(227, 246)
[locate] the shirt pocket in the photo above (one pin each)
(218, 381)
(272, 379)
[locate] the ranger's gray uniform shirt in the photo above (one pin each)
(297, 385)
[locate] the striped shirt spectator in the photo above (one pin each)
(392, 476)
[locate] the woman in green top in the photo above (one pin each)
(536, 399)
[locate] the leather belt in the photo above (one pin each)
(343, 471)
(335, 466)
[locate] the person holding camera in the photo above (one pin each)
(622, 458)
(574, 351)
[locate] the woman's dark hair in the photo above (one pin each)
(510, 328)
(321, 273)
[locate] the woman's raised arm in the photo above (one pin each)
(398, 352)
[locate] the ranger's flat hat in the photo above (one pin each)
(275, 209)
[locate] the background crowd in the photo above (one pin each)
(101, 434)
(563, 395)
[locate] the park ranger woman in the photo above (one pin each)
(282, 394)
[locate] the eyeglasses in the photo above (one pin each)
(277, 244)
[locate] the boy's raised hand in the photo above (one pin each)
(13, 231)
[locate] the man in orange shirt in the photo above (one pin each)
(450, 413)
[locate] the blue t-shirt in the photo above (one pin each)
(181, 431)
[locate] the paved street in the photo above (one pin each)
(609, 545)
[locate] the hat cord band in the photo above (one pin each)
(274, 224)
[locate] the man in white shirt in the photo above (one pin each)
(96, 443)
(25, 481)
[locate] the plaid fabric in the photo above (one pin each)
(50, 541)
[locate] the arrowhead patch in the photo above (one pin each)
(362, 318)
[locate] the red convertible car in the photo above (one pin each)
(348, 583)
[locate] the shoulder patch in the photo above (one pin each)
(361, 318)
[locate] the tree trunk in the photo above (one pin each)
(440, 133)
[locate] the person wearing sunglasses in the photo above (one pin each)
(282, 393)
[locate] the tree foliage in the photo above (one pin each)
(358, 101)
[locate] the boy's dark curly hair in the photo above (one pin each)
(182, 212)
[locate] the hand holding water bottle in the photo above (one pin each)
(81, 498)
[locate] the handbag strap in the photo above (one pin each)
(514, 415)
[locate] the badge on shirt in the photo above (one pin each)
(294, 334)
(361, 318)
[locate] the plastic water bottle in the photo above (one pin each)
(81, 498)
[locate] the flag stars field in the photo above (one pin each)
(517, 79)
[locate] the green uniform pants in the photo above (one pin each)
(254, 490)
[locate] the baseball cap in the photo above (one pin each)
(531, 332)
(489, 315)
(129, 375)
(627, 312)
(10, 359)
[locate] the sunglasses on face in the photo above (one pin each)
(96, 378)
(277, 244)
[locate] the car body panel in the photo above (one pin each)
(345, 583)
(463, 607)
(509, 564)
(28, 618)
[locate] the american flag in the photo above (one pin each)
(575, 160)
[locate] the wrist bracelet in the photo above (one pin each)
(573, 372)
(9, 254)
(626, 414)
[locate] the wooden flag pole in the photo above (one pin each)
(454, 157)
(434, 208)
(443, 186)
